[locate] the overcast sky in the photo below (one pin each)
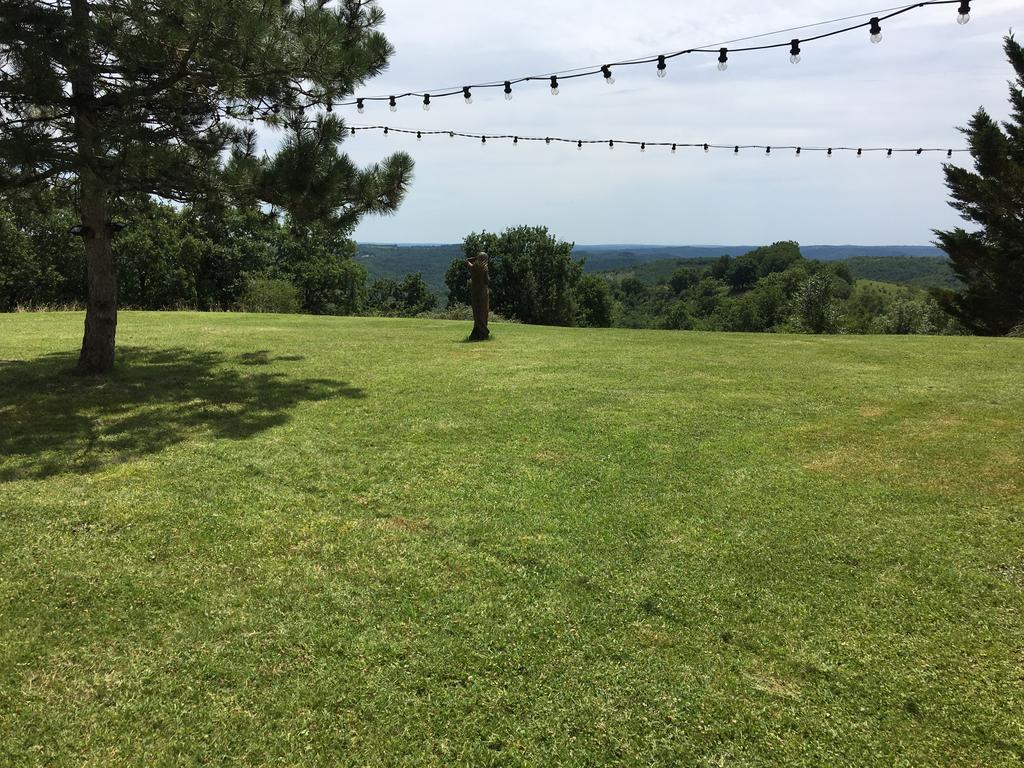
(925, 78)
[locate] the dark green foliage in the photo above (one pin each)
(269, 294)
(594, 302)
(990, 261)
(406, 298)
(814, 306)
(916, 271)
(533, 275)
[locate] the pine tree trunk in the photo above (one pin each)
(97, 355)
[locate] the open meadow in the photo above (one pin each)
(294, 540)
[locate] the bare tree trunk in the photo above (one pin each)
(97, 355)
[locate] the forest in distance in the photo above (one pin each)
(918, 266)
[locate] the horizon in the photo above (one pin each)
(424, 244)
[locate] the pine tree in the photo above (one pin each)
(990, 261)
(146, 97)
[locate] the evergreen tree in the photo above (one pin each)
(130, 97)
(990, 261)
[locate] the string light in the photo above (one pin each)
(875, 30)
(554, 85)
(419, 136)
(426, 102)
(644, 145)
(661, 60)
(393, 106)
(673, 149)
(359, 106)
(889, 153)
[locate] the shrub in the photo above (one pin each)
(269, 294)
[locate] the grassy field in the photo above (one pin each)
(281, 540)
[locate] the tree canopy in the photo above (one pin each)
(990, 260)
(158, 97)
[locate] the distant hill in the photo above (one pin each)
(659, 261)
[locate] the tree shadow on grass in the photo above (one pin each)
(53, 423)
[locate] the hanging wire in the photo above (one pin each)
(660, 59)
(645, 144)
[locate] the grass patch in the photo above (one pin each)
(330, 541)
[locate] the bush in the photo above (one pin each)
(594, 302)
(269, 294)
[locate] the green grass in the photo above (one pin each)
(277, 540)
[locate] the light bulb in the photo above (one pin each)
(419, 136)
(963, 18)
(661, 73)
(554, 85)
(706, 149)
(426, 102)
(673, 149)
(889, 154)
(611, 144)
(359, 106)
(723, 59)
(798, 151)
(579, 146)
(643, 147)
(661, 66)
(609, 79)
(794, 59)
(508, 90)
(515, 141)
(964, 12)
(393, 105)
(508, 96)
(794, 51)
(467, 95)
(875, 29)
(722, 66)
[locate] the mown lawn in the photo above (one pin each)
(321, 541)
